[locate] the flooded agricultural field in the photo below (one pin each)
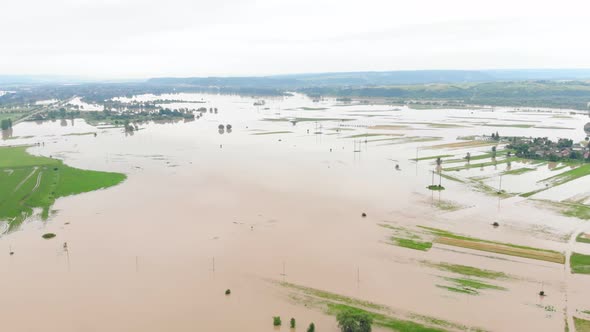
(422, 217)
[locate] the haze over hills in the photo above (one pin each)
(559, 88)
(382, 78)
(366, 78)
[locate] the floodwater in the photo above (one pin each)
(204, 211)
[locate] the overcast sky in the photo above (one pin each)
(147, 38)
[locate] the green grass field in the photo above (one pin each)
(580, 263)
(412, 244)
(582, 238)
(469, 271)
(452, 239)
(582, 325)
(561, 178)
(30, 182)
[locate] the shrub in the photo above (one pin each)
(48, 236)
(227, 291)
(311, 328)
(276, 321)
(292, 323)
(354, 321)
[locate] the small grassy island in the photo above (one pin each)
(30, 182)
(123, 115)
(436, 187)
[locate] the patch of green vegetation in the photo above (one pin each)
(12, 115)
(568, 176)
(447, 205)
(449, 238)
(531, 193)
(580, 263)
(452, 178)
(333, 296)
(276, 321)
(547, 308)
(392, 227)
(480, 186)
(313, 108)
(411, 244)
(561, 178)
(48, 236)
(582, 325)
(272, 132)
(577, 210)
(484, 164)
(433, 157)
(473, 284)
(518, 171)
(436, 187)
(568, 208)
(559, 168)
(463, 144)
(30, 182)
(459, 290)
(582, 238)
(554, 127)
(487, 155)
(382, 320)
(469, 271)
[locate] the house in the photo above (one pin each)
(565, 153)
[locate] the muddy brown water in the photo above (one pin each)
(201, 212)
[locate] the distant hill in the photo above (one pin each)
(378, 78)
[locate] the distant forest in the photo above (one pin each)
(534, 88)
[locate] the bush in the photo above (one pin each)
(292, 323)
(311, 328)
(48, 236)
(276, 321)
(354, 321)
(227, 291)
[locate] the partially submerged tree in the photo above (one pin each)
(354, 321)
(468, 156)
(276, 321)
(311, 328)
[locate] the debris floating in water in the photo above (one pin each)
(495, 224)
(364, 215)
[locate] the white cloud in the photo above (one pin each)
(146, 38)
